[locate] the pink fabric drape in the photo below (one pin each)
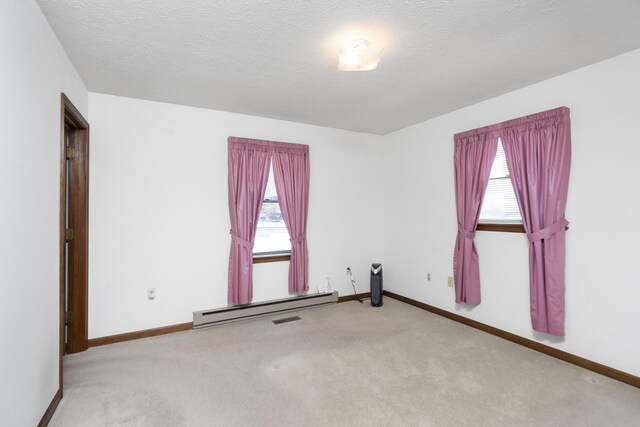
(291, 173)
(538, 152)
(248, 176)
(473, 157)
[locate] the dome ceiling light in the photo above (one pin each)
(359, 56)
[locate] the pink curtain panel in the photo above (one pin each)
(291, 173)
(472, 158)
(538, 151)
(248, 176)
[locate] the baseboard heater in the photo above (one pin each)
(241, 312)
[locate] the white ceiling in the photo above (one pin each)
(278, 59)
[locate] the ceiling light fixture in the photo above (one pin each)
(359, 56)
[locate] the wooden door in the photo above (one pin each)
(74, 230)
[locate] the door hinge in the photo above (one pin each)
(70, 152)
(68, 234)
(68, 317)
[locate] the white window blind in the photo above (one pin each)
(272, 237)
(500, 205)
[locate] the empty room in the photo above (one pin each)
(319, 213)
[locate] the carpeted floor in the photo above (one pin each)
(347, 364)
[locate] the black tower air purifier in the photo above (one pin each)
(376, 285)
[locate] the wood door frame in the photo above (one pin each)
(79, 211)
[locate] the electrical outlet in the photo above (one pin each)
(151, 293)
(428, 277)
(450, 281)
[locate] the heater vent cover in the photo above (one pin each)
(286, 320)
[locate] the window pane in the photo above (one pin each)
(272, 235)
(270, 194)
(499, 168)
(500, 205)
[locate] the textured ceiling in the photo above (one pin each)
(279, 58)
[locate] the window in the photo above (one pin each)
(500, 210)
(272, 237)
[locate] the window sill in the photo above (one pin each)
(505, 228)
(271, 258)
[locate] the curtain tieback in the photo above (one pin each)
(241, 242)
(547, 232)
(466, 233)
(298, 239)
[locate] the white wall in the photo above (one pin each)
(602, 287)
(33, 71)
(159, 215)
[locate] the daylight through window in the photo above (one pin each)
(272, 237)
(500, 205)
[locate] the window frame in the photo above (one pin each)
(501, 227)
(263, 259)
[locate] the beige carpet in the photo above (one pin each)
(347, 364)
